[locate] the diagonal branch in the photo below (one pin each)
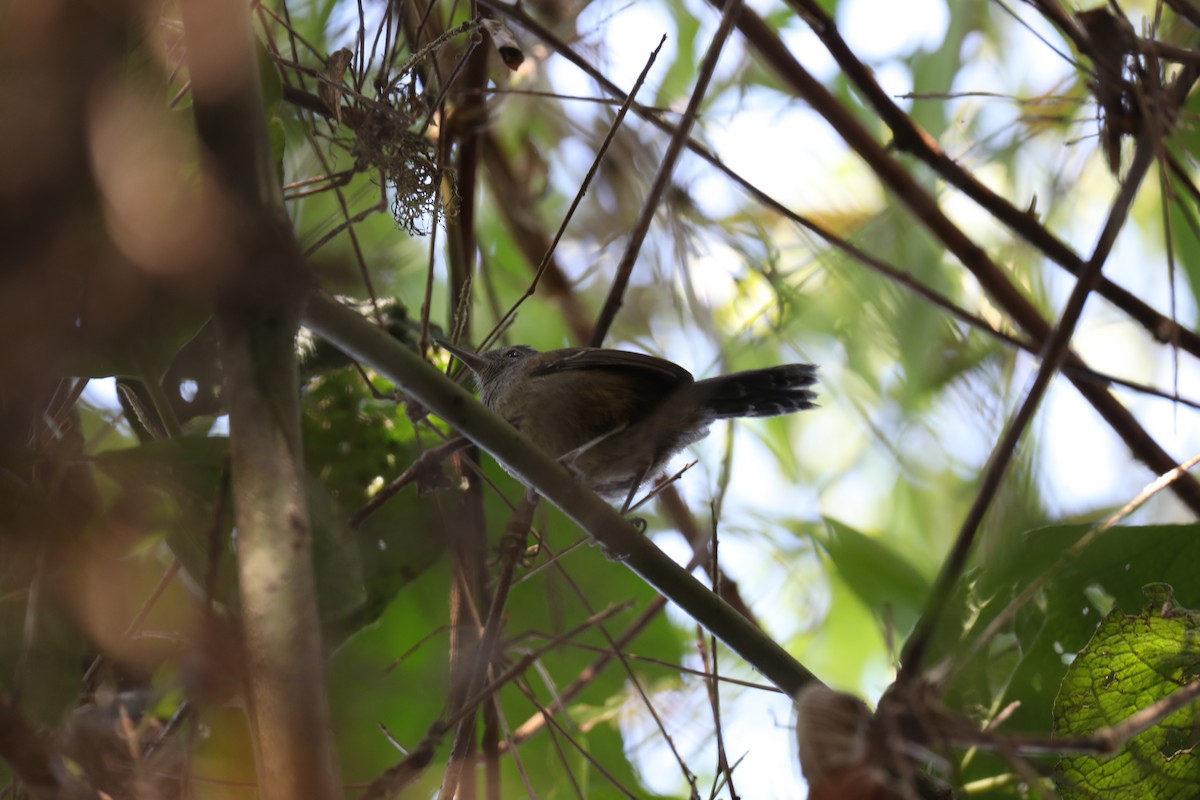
(925, 207)
(1053, 354)
(361, 340)
(910, 138)
(1118, 417)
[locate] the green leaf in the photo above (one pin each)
(1112, 571)
(881, 577)
(355, 445)
(1130, 663)
(677, 83)
(177, 482)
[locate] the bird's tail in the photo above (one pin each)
(761, 392)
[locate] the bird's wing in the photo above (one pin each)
(576, 358)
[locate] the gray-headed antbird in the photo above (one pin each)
(616, 417)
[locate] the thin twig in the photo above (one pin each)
(579, 194)
(662, 177)
(1054, 353)
(946, 671)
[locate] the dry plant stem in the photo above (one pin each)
(430, 273)
(652, 116)
(392, 781)
(509, 745)
(675, 667)
(634, 680)
(910, 138)
(257, 322)
(402, 775)
(1110, 740)
(356, 337)
(427, 460)
(1105, 741)
(563, 762)
(461, 227)
(713, 683)
(468, 600)
(513, 201)
(502, 174)
(294, 37)
(556, 728)
(592, 671)
(348, 222)
(662, 178)
(1055, 351)
(606, 656)
(491, 709)
(468, 597)
(511, 547)
(893, 175)
(492, 722)
(285, 661)
(683, 520)
(534, 243)
(518, 668)
(548, 255)
(1062, 19)
(1101, 378)
(946, 671)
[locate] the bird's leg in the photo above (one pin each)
(637, 481)
(567, 460)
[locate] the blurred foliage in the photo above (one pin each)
(833, 526)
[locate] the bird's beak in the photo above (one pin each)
(473, 360)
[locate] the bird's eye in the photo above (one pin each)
(513, 352)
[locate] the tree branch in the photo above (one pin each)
(257, 317)
(356, 337)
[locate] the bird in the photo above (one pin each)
(615, 417)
